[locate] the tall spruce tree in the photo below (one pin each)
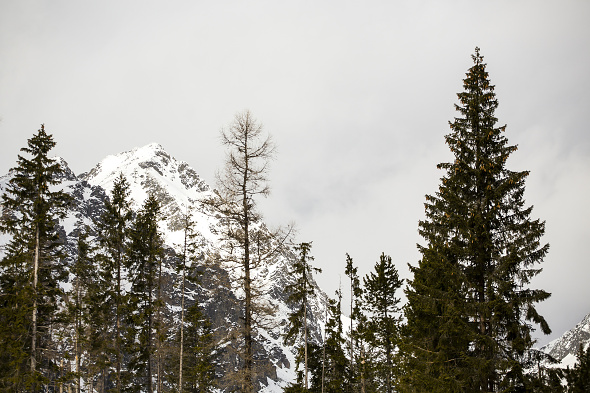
(337, 366)
(382, 305)
(470, 309)
(79, 306)
(188, 233)
(300, 293)
(578, 377)
(32, 268)
(356, 293)
(368, 357)
(113, 229)
(146, 254)
(202, 353)
(195, 362)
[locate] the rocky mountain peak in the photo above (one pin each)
(152, 158)
(151, 170)
(566, 347)
(68, 174)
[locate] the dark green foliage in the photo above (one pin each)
(32, 268)
(367, 357)
(470, 311)
(144, 327)
(543, 376)
(299, 294)
(381, 329)
(15, 316)
(300, 291)
(201, 356)
(316, 369)
(434, 336)
(362, 353)
(337, 366)
(296, 388)
(80, 305)
(195, 342)
(578, 378)
(110, 301)
(355, 314)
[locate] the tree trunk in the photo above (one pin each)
(159, 329)
(61, 366)
(104, 381)
(182, 310)
(249, 388)
(78, 323)
(89, 384)
(149, 349)
(34, 317)
(362, 371)
(351, 326)
(118, 327)
(324, 349)
(248, 323)
(149, 311)
(305, 333)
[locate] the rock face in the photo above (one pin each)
(565, 348)
(151, 170)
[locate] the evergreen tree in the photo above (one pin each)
(15, 313)
(99, 334)
(578, 378)
(381, 303)
(194, 365)
(201, 353)
(367, 356)
(146, 254)
(299, 294)
(188, 232)
(337, 367)
(113, 237)
(355, 314)
(543, 375)
(32, 267)
(435, 335)
(79, 306)
(470, 311)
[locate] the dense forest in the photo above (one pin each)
(95, 319)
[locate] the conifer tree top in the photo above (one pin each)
(470, 310)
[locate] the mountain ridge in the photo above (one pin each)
(565, 348)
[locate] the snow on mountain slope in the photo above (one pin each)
(150, 169)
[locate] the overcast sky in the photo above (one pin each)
(357, 95)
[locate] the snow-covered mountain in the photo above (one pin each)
(151, 170)
(566, 347)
